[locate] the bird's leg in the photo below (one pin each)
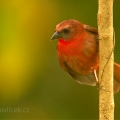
(93, 71)
(95, 75)
(96, 78)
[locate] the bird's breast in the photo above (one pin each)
(81, 57)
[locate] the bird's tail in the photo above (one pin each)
(116, 77)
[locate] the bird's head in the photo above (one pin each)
(68, 29)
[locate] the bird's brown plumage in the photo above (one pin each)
(78, 53)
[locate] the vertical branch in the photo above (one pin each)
(105, 28)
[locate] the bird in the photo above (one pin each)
(78, 52)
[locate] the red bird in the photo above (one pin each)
(78, 52)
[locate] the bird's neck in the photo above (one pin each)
(69, 47)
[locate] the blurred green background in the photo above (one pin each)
(30, 76)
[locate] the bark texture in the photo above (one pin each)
(105, 29)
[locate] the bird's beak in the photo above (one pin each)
(56, 35)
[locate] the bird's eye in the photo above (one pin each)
(66, 30)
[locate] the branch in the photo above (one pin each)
(106, 47)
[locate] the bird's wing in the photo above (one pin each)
(88, 79)
(90, 29)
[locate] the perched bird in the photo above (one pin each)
(78, 52)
